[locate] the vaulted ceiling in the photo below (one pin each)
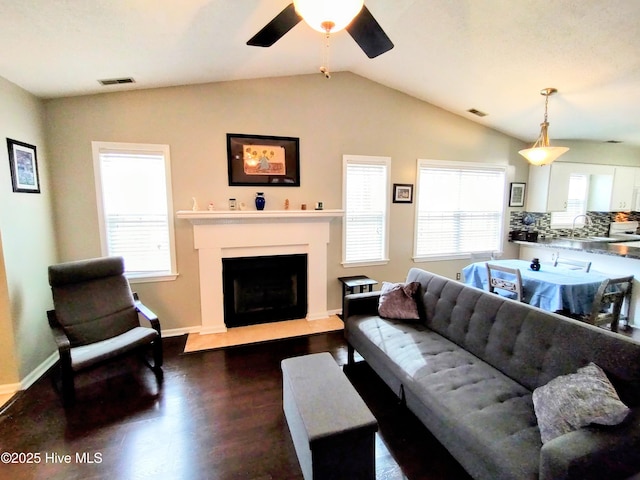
(491, 55)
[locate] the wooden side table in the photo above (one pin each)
(349, 285)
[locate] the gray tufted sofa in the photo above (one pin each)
(468, 370)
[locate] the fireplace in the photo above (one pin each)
(264, 289)
(219, 235)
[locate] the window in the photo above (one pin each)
(576, 203)
(366, 201)
(459, 210)
(133, 187)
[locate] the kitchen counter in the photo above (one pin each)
(597, 247)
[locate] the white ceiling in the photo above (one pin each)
(492, 55)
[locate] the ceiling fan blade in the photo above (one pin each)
(368, 33)
(276, 28)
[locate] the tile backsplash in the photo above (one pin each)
(600, 222)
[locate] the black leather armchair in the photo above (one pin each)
(96, 318)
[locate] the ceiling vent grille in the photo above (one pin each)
(477, 112)
(116, 81)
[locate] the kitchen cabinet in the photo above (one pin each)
(624, 179)
(549, 187)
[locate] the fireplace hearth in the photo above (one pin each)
(264, 289)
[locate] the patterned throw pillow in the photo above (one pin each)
(570, 402)
(398, 301)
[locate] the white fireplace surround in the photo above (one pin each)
(230, 234)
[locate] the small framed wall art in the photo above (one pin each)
(402, 193)
(24, 167)
(263, 161)
(516, 195)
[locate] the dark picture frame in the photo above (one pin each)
(517, 193)
(402, 193)
(23, 161)
(263, 160)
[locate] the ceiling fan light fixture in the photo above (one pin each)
(541, 153)
(328, 15)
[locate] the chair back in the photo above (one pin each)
(572, 264)
(607, 304)
(92, 299)
(511, 282)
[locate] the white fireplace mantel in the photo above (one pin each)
(232, 234)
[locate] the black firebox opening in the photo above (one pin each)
(264, 289)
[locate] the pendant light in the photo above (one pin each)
(328, 16)
(542, 153)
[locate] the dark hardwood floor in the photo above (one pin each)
(215, 415)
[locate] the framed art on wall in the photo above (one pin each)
(402, 193)
(263, 161)
(24, 167)
(516, 195)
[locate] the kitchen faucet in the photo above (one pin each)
(587, 221)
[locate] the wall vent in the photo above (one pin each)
(477, 112)
(116, 81)
(613, 141)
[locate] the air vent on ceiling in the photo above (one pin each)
(116, 81)
(477, 112)
(613, 141)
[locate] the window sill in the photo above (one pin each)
(168, 277)
(368, 263)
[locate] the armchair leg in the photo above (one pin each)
(157, 354)
(68, 387)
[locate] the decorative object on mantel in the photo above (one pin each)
(260, 201)
(286, 204)
(243, 206)
(542, 153)
(211, 207)
(24, 167)
(303, 206)
(194, 204)
(232, 204)
(261, 160)
(319, 206)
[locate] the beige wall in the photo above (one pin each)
(28, 245)
(345, 115)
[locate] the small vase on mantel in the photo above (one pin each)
(260, 201)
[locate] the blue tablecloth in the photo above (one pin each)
(551, 288)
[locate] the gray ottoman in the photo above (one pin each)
(333, 430)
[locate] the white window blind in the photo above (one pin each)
(135, 208)
(460, 209)
(576, 203)
(365, 232)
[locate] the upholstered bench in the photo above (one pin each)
(333, 430)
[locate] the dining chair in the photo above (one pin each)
(512, 285)
(608, 302)
(572, 264)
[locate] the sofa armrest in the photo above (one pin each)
(361, 304)
(594, 452)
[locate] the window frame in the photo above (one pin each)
(459, 165)
(367, 160)
(136, 148)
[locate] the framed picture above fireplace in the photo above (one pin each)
(263, 161)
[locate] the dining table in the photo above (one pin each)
(552, 288)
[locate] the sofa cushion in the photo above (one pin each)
(398, 300)
(573, 401)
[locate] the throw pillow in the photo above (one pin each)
(570, 402)
(398, 300)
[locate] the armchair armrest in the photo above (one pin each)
(361, 304)
(61, 339)
(594, 452)
(147, 313)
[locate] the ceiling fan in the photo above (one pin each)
(358, 21)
